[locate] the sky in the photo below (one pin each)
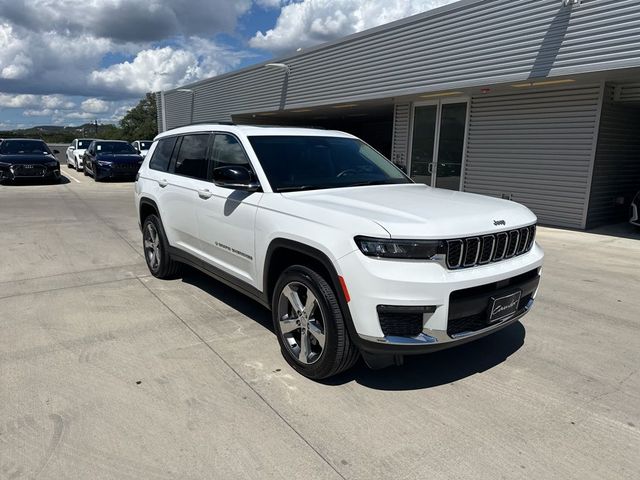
(67, 62)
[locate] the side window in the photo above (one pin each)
(227, 151)
(192, 157)
(162, 154)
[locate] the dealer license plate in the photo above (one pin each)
(502, 308)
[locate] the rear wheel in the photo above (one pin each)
(156, 249)
(309, 324)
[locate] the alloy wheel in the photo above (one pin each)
(152, 246)
(301, 322)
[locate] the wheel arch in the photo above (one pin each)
(147, 207)
(283, 253)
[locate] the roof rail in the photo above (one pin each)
(212, 122)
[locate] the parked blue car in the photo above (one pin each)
(105, 159)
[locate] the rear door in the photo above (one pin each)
(227, 216)
(185, 180)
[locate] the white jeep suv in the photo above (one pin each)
(351, 256)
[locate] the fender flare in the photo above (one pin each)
(326, 262)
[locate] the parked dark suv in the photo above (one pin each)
(105, 159)
(27, 159)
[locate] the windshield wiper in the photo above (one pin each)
(296, 188)
(370, 182)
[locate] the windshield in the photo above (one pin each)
(114, 147)
(24, 147)
(308, 163)
(84, 144)
(145, 145)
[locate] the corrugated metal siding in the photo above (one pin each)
(629, 92)
(159, 110)
(401, 132)
(617, 164)
(177, 109)
(468, 43)
(537, 147)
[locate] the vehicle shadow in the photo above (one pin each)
(439, 368)
(21, 183)
(418, 372)
(229, 296)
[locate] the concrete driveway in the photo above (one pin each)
(106, 372)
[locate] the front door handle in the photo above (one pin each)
(163, 183)
(204, 193)
(430, 168)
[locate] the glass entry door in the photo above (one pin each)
(437, 144)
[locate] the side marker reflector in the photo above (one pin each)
(344, 289)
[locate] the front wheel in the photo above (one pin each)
(310, 326)
(156, 249)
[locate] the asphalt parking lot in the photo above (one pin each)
(107, 372)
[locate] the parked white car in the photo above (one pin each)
(352, 257)
(142, 146)
(75, 152)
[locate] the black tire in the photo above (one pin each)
(165, 267)
(84, 171)
(338, 353)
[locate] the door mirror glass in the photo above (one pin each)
(236, 177)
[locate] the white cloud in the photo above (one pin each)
(95, 105)
(166, 67)
(310, 22)
(19, 101)
(38, 113)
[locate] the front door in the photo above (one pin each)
(226, 217)
(437, 145)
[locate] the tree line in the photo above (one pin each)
(139, 123)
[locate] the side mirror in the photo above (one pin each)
(238, 178)
(56, 152)
(71, 147)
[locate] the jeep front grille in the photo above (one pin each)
(472, 251)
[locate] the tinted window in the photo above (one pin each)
(145, 145)
(227, 150)
(84, 143)
(162, 154)
(114, 147)
(307, 163)
(192, 157)
(23, 147)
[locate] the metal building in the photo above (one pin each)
(537, 101)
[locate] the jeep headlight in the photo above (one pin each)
(103, 163)
(408, 249)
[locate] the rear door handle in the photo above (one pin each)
(204, 193)
(163, 183)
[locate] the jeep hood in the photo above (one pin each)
(417, 211)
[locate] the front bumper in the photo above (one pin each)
(374, 282)
(19, 172)
(117, 171)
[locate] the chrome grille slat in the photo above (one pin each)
(455, 251)
(514, 237)
(473, 251)
(502, 242)
(523, 240)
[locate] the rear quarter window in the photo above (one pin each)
(162, 154)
